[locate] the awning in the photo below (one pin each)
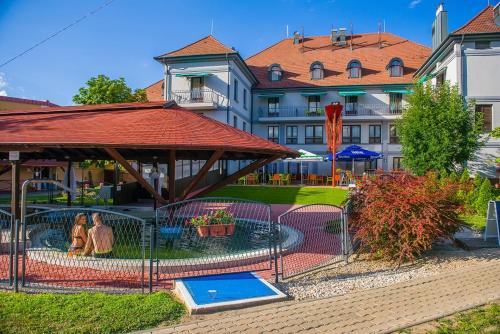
(194, 74)
(313, 93)
(266, 95)
(305, 156)
(401, 91)
(352, 93)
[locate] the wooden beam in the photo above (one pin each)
(5, 170)
(121, 160)
(203, 171)
(233, 177)
(171, 176)
(27, 149)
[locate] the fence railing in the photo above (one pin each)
(195, 96)
(350, 109)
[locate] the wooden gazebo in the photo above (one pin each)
(145, 132)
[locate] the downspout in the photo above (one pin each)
(165, 83)
(228, 90)
(251, 110)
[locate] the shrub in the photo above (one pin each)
(399, 216)
(483, 196)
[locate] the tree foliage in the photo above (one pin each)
(102, 89)
(438, 131)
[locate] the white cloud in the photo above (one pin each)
(3, 84)
(414, 3)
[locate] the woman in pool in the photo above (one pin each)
(78, 235)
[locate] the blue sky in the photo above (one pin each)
(122, 39)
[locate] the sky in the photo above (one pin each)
(121, 39)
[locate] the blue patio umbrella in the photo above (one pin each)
(354, 153)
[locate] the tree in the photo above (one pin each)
(102, 89)
(438, 131)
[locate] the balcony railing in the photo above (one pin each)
(195, 96)
(350, 109)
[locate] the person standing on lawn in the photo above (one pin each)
(100, 239)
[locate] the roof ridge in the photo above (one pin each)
(195, 42)
(28, 101)
(473, 19)
(154, 83)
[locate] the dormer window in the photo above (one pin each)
(395, 67)
(354, 69)
(316, 71)
(275, 72)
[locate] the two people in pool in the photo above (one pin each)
(98, 241)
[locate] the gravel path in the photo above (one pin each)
(362, 274)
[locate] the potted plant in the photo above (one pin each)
(217, 229)
(202, 224)
(226, 219)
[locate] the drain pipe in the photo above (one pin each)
(228, 89)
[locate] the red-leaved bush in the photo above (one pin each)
(398, 216)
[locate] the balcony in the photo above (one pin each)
(197, 99)
(350, 110)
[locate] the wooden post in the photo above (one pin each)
(171, 176)
(15, 210)
(68, 182)
(202, 172)
(135, 174)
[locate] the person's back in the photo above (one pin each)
(100, 239)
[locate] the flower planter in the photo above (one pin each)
(230, 229)
(203, 230)
(217, 230)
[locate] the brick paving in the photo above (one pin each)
(380, 310)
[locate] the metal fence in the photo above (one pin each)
(311, 236)
(6, 250)
(107, 252)
(212, 235)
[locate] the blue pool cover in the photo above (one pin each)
(225, 288)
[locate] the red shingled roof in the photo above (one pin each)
(483, 22)
(27, 101)
(154, 92)
(206, 46)
(128, 125)
(296, 60)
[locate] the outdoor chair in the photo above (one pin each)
(313, 179)
(285, 179)
(242, 180)
(251, 179)
(276, 179)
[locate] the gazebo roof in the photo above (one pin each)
(140, 131)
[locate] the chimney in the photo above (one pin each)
(296, 37)
(439, 27)
(333, 36)
(496, 14)
(342, 32)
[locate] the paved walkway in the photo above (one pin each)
(379, 310)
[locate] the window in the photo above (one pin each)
(486, 110)
(244, 98)
(351, 134)
(483, 45)
(235, 121)
(291, 134)
(396, 103)
(273, 105)
(244, 126)
(371, 165)
(275, 72)
(313, 106)
(314, 134)
(273, 133)
(197, 84)
(397, 163)
(351, 105)
(354, 69)
(375, 134)
(316, 71)
(393, 134)
(441, 77)
(395, 67)
(235, 93)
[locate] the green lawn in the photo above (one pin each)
(480, 320)
(284, 195)
(476, 222)
(85, 313)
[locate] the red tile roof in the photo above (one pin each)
(128, 125)
(483, 22)
(154, 91)
(27, 101)
(295, 61)
(206, 46)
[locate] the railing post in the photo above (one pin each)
(276, 239)
(16, 255)
(23, 254)
(345, 235)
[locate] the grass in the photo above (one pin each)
(57, 199)
(85, 313)
(477, 222)
(284, 195)
(480, 320)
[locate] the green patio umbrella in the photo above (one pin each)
(305, 156)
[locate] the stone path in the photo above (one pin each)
(381, 310)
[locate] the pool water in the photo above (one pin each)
(226, 288)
